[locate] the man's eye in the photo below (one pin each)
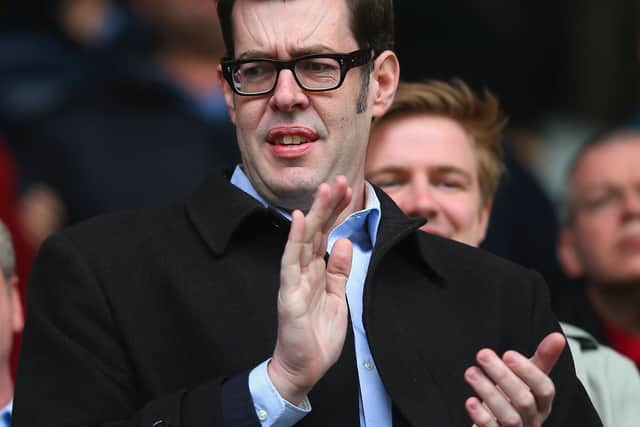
(448, 183)
(600, 200)
(387, 183)
(318, 67)
(254, 71)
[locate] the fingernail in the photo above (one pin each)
(472, 375)
(510, 357)
(485, 356)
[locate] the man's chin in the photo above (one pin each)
(290, 196)
(622, 281)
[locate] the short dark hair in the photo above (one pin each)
(371, 23)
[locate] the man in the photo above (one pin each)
(222, 312)
(11, 322)
(600, 242)
(437, 153)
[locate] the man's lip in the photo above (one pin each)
(290, 152)
(277, 132)
(631, 242)
(433, 231)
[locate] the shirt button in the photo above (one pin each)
(262, 414)
(368, 365)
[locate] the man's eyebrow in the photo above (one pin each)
(597, 187)
(312, 50)
(301, 51)
(453, 169)
(386, 170)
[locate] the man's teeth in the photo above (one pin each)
(292, 140)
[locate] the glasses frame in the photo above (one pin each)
(346, 61)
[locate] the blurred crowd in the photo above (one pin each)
(111, 104)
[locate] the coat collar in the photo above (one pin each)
(218, 208)
(395, 227)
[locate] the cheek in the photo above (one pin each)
(399, 195)
(249, 112)
(603, 232)
(461, 212)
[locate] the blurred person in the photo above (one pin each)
(11, 322)
(50, 50)
(599, 244)
(437, 153)
(170, 316)
(523, 227)
(145, 131)
(10, 215)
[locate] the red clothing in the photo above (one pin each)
(9, 215)
(623, 342)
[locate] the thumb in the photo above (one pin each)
(549, 351)
(339, 266)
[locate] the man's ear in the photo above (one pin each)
(385, 78)
(228, 95)
(566, 252)
(17, 314)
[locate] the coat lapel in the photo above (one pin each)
(406, 318)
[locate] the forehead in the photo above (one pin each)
(423, 141)
(615, 162)
(285, 28)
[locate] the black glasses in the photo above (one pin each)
(315, 73)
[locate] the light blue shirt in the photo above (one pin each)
(375, 405)
(5, 415)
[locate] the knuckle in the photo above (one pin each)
(511, 420)
(502, 375)
(525, 402)
(485, 420)
(547, 391)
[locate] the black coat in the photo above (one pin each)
(143, 317)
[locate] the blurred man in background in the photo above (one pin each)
(436, 152)
(146, 128)
(600, 242)
(11, 321)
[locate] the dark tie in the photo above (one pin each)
(6, 418)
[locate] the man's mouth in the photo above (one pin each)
(290, 140)
(291, 135)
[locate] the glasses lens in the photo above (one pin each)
(254, 77)
(318, 73)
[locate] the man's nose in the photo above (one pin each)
(421, 201)
(631, 203)
(288, 95)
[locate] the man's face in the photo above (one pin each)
(329, 137)
(427, 165)
(11, 320)
(604, 235)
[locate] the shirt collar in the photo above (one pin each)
(370, 215)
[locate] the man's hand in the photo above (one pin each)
(312, 306)
(514, 390)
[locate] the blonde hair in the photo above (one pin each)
(481, 118)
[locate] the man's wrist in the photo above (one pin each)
(281, 380)
(271, 409)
